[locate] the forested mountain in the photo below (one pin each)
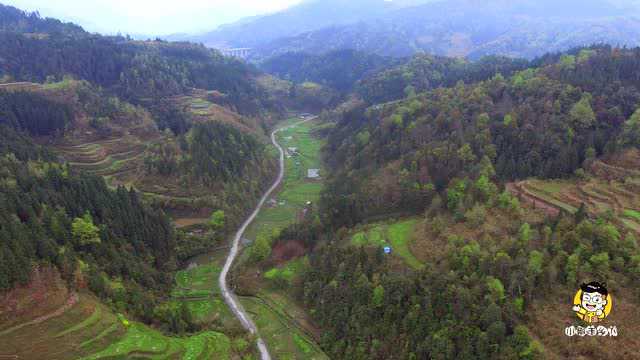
(34, 113)
(339, 69)
(139, 72)
(110, 111)
(493, 268)
(53, 216)
(307, 16)
(15, 20)
(425, 72)
(473, 29)
(540, 122)
(463, 200)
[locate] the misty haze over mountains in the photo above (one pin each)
(470, 28)
(307, 16)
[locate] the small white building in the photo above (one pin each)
(313, 173)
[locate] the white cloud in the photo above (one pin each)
(153, 17)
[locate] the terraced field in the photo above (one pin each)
(609, 188)
(197, 288)
(89, 330)
(286, 339)
(118, 159)
(201, 105)
(141, 341)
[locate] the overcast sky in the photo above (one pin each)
(150, 17)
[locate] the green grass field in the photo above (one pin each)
(198, 278)
(284, 339)
(277, 321)
(372, 237)
(633, 214)
(297, 189)
(397, 235)
(288, 272)
(142, 340)
(198, 289)
(400, 234)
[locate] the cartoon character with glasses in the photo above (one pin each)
(592, 303)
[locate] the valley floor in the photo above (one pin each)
(282, 323)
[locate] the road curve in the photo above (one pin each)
(229, 297)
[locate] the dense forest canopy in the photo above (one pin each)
(443, 156)
(104, 92)
(425, 72)
(475, 299)
(540, 122)
(34, 113)
(136, 71)
(16, 20)
(210, 153)
(337, 69)
(53, 216)
(434, 144)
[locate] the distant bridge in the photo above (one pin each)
(242, 53)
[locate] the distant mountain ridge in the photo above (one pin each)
(468, 28)
(304, 17)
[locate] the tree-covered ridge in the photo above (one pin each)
(487, 269)
(103, 236)
(139, 72)
(426, 72)
(34, 113)
(73, 221)
(21, 147)
(539, 122)
(16, 20)
(477, 297)
(147, 73)
(210, 153)
(339, 69)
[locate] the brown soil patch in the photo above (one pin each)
(73, 299)
(185, 222)
(45, 293)
(548, 320)
(285, 251)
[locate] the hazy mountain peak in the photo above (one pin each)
(472, 28)
(307, 16)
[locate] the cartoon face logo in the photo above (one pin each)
(592, 302)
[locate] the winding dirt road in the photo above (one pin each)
(229, 297)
